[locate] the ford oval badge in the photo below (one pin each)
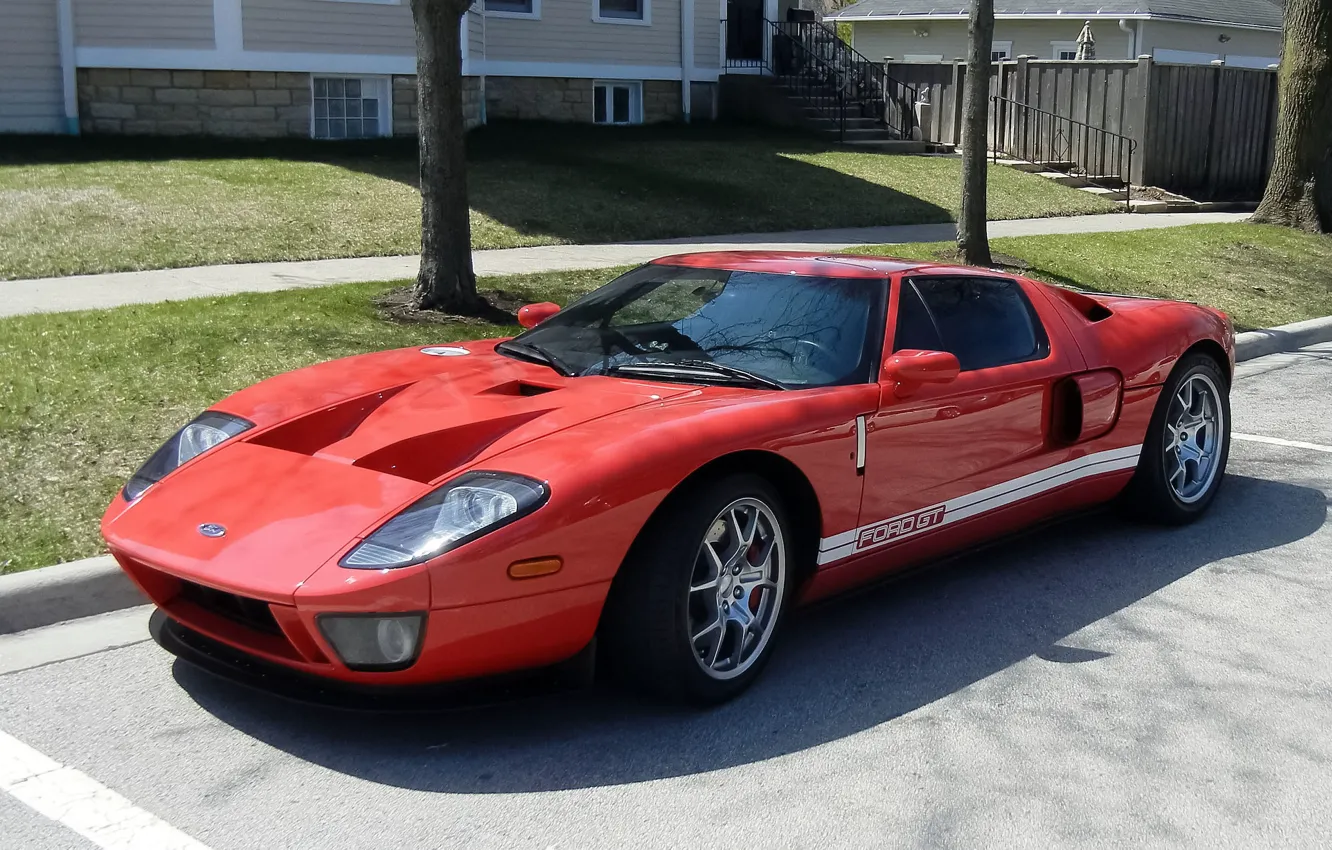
(212, 529)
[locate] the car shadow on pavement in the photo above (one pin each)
(843, 667)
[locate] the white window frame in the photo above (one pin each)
(372, 2)
(645, 21)
(1058, 47)
(1005, 47)
(922, 57)
(635, 101)
(534, 15)
(383, 88)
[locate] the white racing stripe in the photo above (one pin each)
(1277, 441)
(885, 531)
(82, 804)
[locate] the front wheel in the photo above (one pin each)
(1188, 443)
(693, 615)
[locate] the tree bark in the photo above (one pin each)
(973, 241)
(1299, 190)
(445, 281)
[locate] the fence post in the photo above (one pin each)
(1217, 67)
(959, 80)
(1138, 115)
(1018, 128)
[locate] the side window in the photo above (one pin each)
(985, 322)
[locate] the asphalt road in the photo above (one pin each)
(1095, 684)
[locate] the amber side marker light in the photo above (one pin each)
(535, 567)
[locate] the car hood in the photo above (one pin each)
(338, 448)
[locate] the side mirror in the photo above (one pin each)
(911, 368)
(534, 314)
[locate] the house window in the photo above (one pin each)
(350, 108)
(622, 11)
(513, 8)
(617, 103)
(1001, 50)
(1066, 50)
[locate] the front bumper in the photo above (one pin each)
(457, 643)
(226, 662)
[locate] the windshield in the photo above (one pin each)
(794, 330)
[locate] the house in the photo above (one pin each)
(1244, 33)
(345, 68)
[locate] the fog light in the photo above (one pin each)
(372, 642)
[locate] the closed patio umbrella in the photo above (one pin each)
(1086, 43)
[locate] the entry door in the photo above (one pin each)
(744, 29)
(944, 453)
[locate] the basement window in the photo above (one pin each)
(349, 108)
(617, 102)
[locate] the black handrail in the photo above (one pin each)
(1098, 156)
(833, 78)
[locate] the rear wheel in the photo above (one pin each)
(1184, 457)
(694, 612)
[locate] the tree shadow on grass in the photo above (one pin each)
(581, 183)
(843, 667)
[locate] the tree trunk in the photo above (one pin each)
(1299, 191)
(446, 280)
(973, 241)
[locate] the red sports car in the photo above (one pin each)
(662, 468)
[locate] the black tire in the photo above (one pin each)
(1150, 496)
(645, 631)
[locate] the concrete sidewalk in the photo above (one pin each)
(84, 292)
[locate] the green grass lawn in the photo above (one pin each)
(1261, 275)
(95, 205)
(86, 397)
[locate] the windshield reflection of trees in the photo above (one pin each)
(799, 330)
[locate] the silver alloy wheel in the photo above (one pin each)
(735, 590)
(1194, 438)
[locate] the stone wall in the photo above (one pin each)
(404, 104)
(569, 99)
(214, 103)
(661, 101)
(264, 104)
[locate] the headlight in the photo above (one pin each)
(206, 431)
(471, 505)
(388, 642)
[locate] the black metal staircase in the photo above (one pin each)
(832, 88)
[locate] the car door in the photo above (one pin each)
(937, 454)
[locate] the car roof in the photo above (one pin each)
(814, 263)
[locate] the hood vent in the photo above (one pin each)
(323, 427)
(426, 457)
(521, 388)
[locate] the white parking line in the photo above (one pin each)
(82, 804)
(1277, 441)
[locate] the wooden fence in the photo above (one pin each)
(1204, 131)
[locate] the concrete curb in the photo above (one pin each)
(36, 598)
(1253, 344)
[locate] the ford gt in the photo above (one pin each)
(655, 474)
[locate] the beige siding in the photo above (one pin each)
(949, 38)
(567, 33)
(707, 33)
(1198, 38)
(476, 34)
(31, 96)
(326, 26)
(143, 23)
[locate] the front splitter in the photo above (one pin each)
(218, 659)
